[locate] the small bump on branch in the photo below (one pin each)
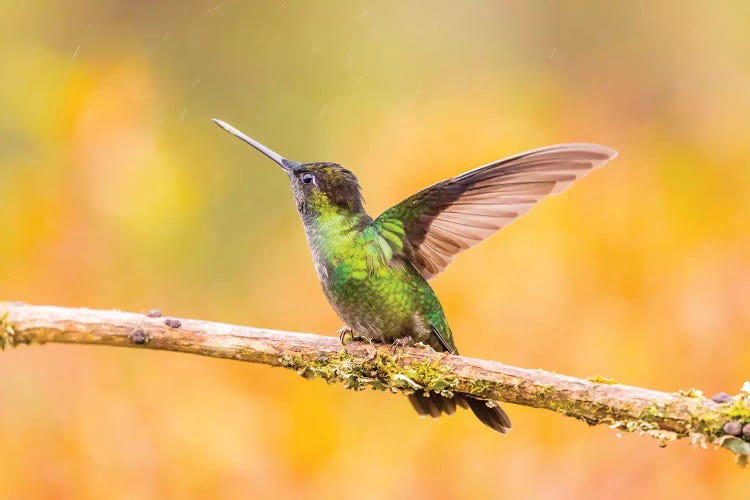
(722, 421)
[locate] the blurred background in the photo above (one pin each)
(116, 191)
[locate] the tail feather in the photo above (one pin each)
(493, 417)
(435, 405)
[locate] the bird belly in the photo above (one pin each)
(384, 306)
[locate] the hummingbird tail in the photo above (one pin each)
(435, 405)
(493, 417)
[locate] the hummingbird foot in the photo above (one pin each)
(344, 333)
(401, 343)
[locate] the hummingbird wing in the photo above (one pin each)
(433, 225)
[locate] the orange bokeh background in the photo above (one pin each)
(116, 191)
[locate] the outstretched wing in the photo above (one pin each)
(435, 224)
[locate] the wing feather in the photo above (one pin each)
(455, 214)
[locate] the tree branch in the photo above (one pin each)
(665, 416)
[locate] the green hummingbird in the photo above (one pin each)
(375, 272)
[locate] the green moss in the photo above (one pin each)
(690, 393)
(641, 427)
(711, 422)
(603, 380)
(710, 425)
(738, 409)
(7, 333)
(381, 372)
(654, 413)
(546, 398)
(481, 388)
(544, 392)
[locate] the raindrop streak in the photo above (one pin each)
(75, 54)
(211, 10)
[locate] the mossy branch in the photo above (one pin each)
(664, 416)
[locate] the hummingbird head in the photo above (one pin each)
(318, 187)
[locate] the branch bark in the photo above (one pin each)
(665, 416)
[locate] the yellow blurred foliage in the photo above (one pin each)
(116, 191)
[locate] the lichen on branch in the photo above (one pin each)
(597, 400)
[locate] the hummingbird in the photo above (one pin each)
(375, 272)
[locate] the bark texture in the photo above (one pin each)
(358, 365)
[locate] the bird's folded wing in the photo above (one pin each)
(435, 224)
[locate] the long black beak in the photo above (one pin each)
(282, 162)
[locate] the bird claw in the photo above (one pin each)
(345, 332)
(400, 343)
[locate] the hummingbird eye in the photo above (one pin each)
(307, 178)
